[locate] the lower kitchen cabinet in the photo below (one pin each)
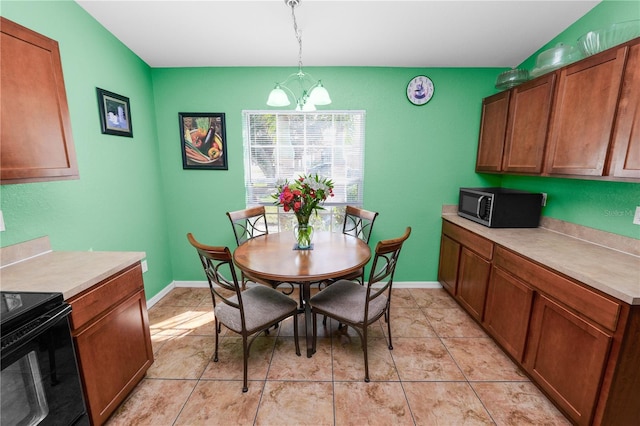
(509, 305)
(110, 326)
(567, 356)
(473, 279)
(579, 345)
(465, 264)
(448, 266)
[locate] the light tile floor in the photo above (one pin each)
(443, 370)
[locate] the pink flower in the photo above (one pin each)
(287, 196)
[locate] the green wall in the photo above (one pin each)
(134, 195)
(416, 158)
(117, 204)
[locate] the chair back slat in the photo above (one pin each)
(221, 275)
(248, 223)
(358, 223)
(384, 265)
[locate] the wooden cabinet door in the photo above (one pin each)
(493, 126)
(567, 356)
(37, 144)
(529, 114)
(473, 279)
(582, 120)
(508, 310)
(625, 157)
(114, 353)
(448, 266)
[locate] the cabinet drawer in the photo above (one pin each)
(92, 303)
(468, 239)
(589, 303)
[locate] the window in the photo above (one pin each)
(282, 145)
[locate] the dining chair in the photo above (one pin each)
(247, 224)
(358, 305)
(357, 223)
(247, 312)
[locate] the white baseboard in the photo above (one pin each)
(155, 299)
(194, 284)
(417, 284)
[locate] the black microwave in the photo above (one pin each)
(500, 207)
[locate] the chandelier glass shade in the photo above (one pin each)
(305, 91)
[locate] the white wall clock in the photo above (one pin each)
(420, 90)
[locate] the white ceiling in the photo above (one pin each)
(414, 33)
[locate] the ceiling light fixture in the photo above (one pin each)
(312, 91)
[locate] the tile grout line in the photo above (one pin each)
(278, 336)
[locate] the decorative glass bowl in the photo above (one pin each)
(508, 79)
(599, 40)
(554, 58)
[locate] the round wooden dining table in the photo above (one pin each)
(274, 257)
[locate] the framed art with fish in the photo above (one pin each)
(203, 140)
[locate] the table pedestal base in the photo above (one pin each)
(306, 308)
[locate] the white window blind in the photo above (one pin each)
(282, 145)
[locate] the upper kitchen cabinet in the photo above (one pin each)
(492, 130)
(625, 155)
(529, 113)
(36, 139)
(581, 121)
(584, 114)
(513, 130)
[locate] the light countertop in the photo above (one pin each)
(613, 272)
(66, 272)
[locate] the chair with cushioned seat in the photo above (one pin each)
(247, 312)
(358, 305)
(357, 223)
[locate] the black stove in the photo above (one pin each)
(17, 308)
(40, 377)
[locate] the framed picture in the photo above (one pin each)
(203, 140)
(115, 114)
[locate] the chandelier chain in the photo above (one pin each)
(313, 94)
(298, 34)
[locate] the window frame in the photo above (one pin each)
(306, 133)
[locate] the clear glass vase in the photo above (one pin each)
(303, 233)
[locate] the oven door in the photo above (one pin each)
(40, 378)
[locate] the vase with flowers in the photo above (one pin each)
(304, 196)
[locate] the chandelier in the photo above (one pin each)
(311, 91)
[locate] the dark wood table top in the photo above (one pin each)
(272, 257)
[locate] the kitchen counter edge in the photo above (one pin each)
(612, 272)
(66, 272)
